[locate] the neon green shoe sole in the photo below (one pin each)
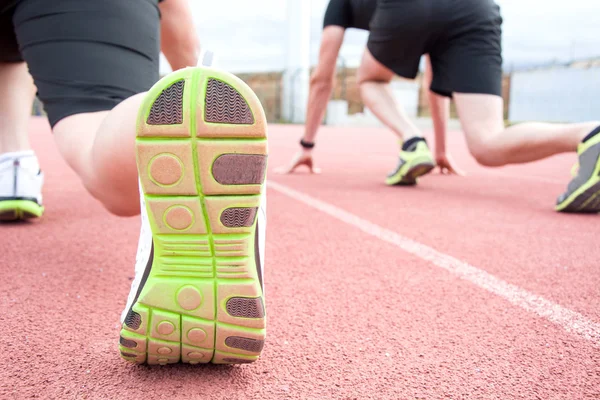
(15, 210)
(408, 176)
(585, 200)
(201, 154)
(414, 162)
(583, 193)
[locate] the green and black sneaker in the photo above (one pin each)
(415, 161)
(583, 192)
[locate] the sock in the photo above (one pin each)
(408, 145)
(592, 134)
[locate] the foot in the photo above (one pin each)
(20, 186)
(198, 293)
(583, 192)
(415, 160)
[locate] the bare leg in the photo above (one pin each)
(375, 90)
(17, 92)
(100, 147)
(481, 116)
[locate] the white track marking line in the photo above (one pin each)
(570, 320)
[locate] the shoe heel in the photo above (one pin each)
(202, 158)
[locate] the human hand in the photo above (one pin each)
(446, 165)
(301, 158)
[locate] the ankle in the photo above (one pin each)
(409, 143)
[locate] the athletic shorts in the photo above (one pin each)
(84, 55)
(462, 37)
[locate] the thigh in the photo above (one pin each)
(481, 117)
(399, 32)
(467, 55)
(372, 70)
(88, 55)
(9, 49)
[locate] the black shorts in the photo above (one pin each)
(462, 37)
(84, 55)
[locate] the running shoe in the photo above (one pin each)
(21, 182)
(583, 192)
(197, 295)
(415, 161)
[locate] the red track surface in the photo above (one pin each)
(350, 315)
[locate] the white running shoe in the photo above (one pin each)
(20, 186)
(197, 296)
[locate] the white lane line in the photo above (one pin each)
(570, 320)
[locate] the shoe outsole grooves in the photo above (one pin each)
(201, 153)
(586, 199)
(19, 210)
(586, 202)
(410, 177)
(418, 170)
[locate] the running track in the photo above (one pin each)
(463, 288)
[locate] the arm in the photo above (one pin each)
(440, 113)
(321, 86)
(179, 41)
(322, 80)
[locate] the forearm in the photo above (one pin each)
(440, 112)
(318, 98)
(179, 40)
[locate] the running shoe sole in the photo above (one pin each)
(586, 198)
(202, 154)
(16, 210)
(415, 172)
(410, 177)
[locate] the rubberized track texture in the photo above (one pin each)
(495, 295)
(201, 151)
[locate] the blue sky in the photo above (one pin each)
(250, 36)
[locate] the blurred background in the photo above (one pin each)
(551, 58)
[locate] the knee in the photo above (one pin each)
(117, 199)
(361, 87)
(121, 208)
(366, 76)
(363, 79)
(487, 153)
(119, 204)
(366, 85)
